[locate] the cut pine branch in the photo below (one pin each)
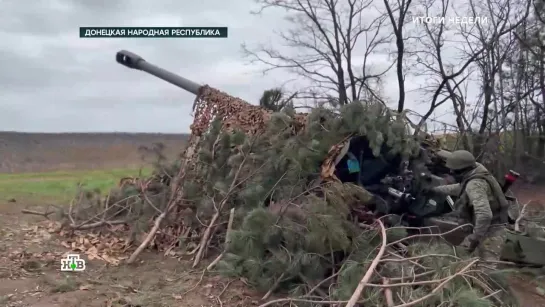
(208, 232)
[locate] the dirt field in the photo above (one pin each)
(42, 169)
(34, 152)
(37, 170)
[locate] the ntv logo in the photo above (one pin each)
(72, 263)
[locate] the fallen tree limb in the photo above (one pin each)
(423, 235)
(82, 226)
(273, 288)
(97, 224)
(365, 279)
(150, 235)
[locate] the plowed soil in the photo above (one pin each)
(40, 152)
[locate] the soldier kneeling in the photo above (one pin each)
(481, 202)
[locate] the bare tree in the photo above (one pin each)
(401, 8)
(533, 44)
(447, 78)
(493, 44)
(322, 46)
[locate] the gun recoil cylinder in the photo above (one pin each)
(400, 195)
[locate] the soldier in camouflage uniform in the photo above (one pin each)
(481, 202)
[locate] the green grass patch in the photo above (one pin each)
(60, 186)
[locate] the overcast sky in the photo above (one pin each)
(53, 81)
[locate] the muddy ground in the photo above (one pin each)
(30, 249)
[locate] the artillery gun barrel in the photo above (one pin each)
(134, 61)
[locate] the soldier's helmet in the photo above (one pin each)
(444, 154)
(460, 159)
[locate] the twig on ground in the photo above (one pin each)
(196, 285)
(440, 286)
(490, 293)
(311, 284)
(411, 261)
(423, 235)
(302, 300)
(44, 214)
(181, 239)
(151, 234)
(365, 279)
(82, 226)
(493, 294)
(321, 283)
(97, 224)
(266, 296)
(413, 277)
(388, 293)
(225, 287)
(420, 257)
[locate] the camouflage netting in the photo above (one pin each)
(263, 182)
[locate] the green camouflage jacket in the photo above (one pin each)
(478, 202)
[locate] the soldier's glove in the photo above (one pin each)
(471, 242)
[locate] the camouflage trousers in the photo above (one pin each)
(492, 244)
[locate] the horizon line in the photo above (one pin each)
(88, 132)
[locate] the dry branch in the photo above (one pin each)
(388, 293)
(175, 198)
(150, 235)
(227, 240)
(365, 279)
(440, 286)
(33, 212)
(208, 232)
(80, 226)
